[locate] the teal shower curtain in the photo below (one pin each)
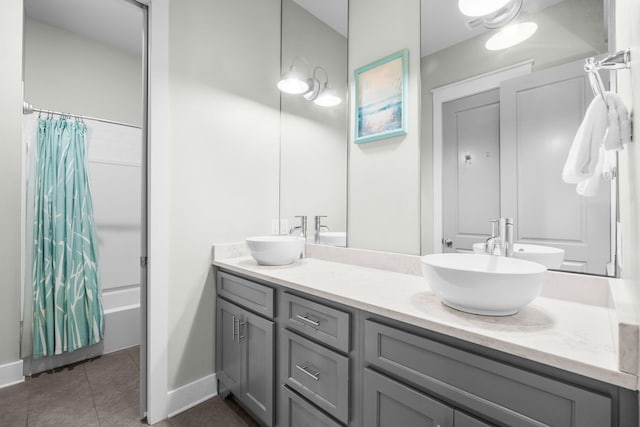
(67, 307)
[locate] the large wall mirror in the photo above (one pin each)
(497, 126)
(313, 137)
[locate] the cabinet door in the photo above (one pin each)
(388, 403)
(229, 368)
(256, 336)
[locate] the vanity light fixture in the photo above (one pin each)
(511, 35)
(313, 89)
(321, 93)
(293, 81)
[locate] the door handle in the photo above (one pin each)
(447, 242)
(239, 325)
(233, 327)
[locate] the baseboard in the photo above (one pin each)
(192, 394)
(11, 373)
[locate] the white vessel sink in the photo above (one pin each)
(483, 284)
(548, 256)
(333, 238)
(275, 250)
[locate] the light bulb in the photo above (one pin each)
(293, 82)
(480, 7)
(511, 35)
(327, 97)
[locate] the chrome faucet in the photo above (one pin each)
(303, 232)
(501, 240)
(319, 227)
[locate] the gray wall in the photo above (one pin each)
(384, 176)
(565, 33)
(71, 73)
(10, 177)
(224, 66)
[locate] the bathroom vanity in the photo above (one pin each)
(323, 343)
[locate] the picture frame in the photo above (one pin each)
(381, 90)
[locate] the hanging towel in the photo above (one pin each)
(589, 187)
(619, 125)
(584, 153)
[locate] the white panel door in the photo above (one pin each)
(539, 116)
(471, 169)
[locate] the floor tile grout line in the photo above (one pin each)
(93, 400)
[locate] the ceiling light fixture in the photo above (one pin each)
(511, 35)
(480, 7)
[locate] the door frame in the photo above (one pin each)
(157, 203)
(461, 89)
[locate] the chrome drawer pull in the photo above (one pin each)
(306, 318)
(315, 375)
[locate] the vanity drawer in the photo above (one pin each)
(317, 373)
(300, 413)
(317, 321)
(251, 295)
(498, 391)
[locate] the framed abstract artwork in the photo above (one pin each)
(381, 98)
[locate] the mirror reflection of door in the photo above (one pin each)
(530, 122)
(471, 169)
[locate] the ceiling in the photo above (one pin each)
(443, 25)
(116, 23)
(334, 13)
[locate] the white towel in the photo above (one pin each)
(584, 153)
(589, 187)
(619, 125)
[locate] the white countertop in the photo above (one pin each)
(573, 336)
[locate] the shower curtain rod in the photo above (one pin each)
(30, 109)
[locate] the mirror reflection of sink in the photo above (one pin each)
(548, 256)
(275, 250)
(333, 238)
(483, 284)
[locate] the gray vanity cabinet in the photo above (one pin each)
(389, 403)
(245, 353)
(502, 393)
(336, 366)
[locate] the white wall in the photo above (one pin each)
(569, 31)
(313, 161)
(384, 176)
(224, 66)
(10, 178)
(71, 73)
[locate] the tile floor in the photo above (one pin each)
(101, 392)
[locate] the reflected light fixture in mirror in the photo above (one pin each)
(321, 93)
(511, 35)
(312, 88)
(478, 8)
